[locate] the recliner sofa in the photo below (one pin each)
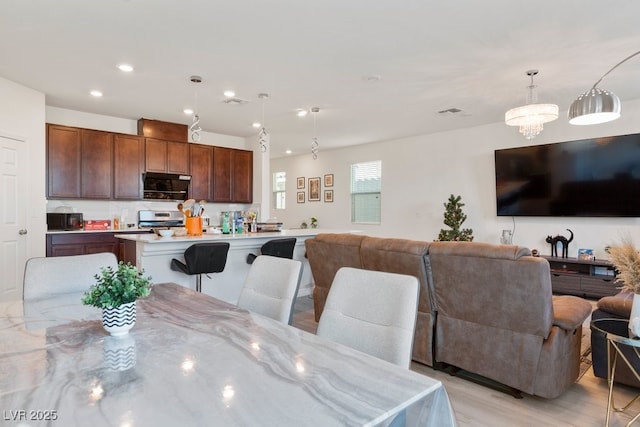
(487, 309)
(497, 317)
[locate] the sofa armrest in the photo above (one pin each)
(570, 312)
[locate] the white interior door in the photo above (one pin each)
(13, 216)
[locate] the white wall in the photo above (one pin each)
(110, 209)
(22, 113)
(419, 174)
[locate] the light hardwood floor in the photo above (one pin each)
(583, 405)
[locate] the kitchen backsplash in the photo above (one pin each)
(128, 211)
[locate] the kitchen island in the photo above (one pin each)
(153, 254)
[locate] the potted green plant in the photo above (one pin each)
(314, 222)
(116, 292)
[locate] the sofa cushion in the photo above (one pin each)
(483, 250)
(619, 304)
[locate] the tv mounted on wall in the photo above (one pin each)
(597, 177)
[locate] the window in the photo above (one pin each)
(366, 182)
(279, 184)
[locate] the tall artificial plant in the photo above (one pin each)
(454, 217)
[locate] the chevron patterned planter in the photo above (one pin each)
(118, 320)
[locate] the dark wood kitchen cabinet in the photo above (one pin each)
(96, 165)
(79, 163)
(128, 159)
(201, 160)
(242, 176)
(64, 151)
(166, 156)
(86, 242)
(232, 175)
(221, 174)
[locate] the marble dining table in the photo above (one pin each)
(194, 360)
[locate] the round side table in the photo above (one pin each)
(617, 334)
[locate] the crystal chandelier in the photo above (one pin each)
(530, 118)
(314, 140)
(195, 125)
(263, 136)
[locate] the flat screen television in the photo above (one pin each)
(597, 177)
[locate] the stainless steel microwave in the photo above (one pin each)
(165, 186)
(64, 221)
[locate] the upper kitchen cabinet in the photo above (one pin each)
(166, 156)
(232, 175)
(201, 159)
(128, 155)
(242, 175)
(96, 165)
(79, 163)
(64, 150)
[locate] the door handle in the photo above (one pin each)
(22, 232)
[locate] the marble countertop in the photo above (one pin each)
(192, 360)
(210, 236)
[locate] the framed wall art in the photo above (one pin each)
(300, 182)
(328, 196)
(328, 180)
(314, 189)
(300, 196)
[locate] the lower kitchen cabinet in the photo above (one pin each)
(87, 242)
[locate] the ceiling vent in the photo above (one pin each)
(234, 101)
(450, 110)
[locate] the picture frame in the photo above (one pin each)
(328, 196)
(586, 254)
(300, 182)
(328, 180)
(300, 196)
(314, 189)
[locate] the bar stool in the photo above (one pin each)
(202, 258)
(281, 248)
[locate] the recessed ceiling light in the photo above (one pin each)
(229, 93)
(125, 67)
(372, 78)
(188, 111)
(256, 125)
(96, 93)
(288, 151)
(301, 113)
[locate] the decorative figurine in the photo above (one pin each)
(560, 239)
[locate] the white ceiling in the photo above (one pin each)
(430, 56)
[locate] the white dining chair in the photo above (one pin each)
(271, 287)
(56, 275)
(373, 312)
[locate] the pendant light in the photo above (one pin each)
(530, 118)
(597, 106)
(314, 140)
(195, 125)
(263, 136)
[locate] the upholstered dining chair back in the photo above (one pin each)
(372, 311)
(271, 287)
(57, 275)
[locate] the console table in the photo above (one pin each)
(583, 278)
